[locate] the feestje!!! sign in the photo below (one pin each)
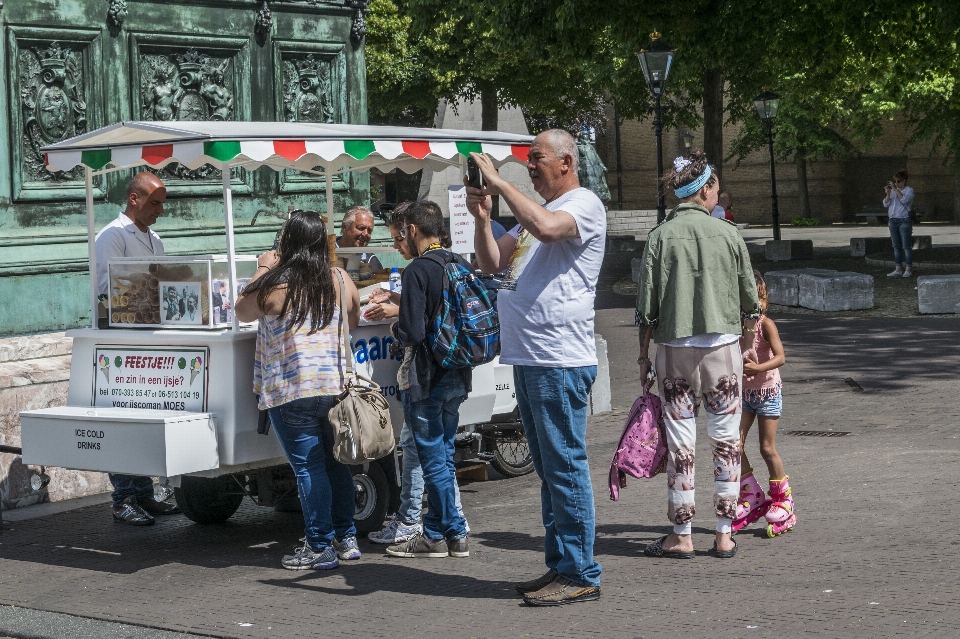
(461, 222)
(155, 377)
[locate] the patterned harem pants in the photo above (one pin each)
(686, 375)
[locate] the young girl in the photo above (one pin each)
(762, 399)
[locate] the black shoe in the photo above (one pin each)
(129, 512)
(536, 584)
(155, 507)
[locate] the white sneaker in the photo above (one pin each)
(396, 532)
(907, 273)
(347, 549)
(895, 274)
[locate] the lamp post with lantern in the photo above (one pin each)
(656, 60)
(767, 105)
(687, 142)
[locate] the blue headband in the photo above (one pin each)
(689, 189)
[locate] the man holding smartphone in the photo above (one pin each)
(899, 200)
(552, 258)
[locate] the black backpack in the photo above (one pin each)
(466, 331)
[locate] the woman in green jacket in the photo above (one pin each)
(698, 300)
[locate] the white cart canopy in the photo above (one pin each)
(280, 145)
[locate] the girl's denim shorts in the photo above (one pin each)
(769, 407)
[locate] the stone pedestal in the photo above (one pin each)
(861, 246)
(783, 287)
(841, 291)
(938, 293)
(34, 373)
(623, 244)
(786, 250)
(636, 265)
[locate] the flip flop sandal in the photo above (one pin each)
(656, 550)
(724, 554)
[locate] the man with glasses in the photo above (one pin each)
(898, 200)
(355, 230)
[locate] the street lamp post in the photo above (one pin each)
(767, 105)
(656, 61)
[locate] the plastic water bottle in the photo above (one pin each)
(395, 279)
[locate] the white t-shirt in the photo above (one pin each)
(546, 301)
(718, 212)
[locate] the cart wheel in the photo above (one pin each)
(511, 455)
(208, 500)
(372, 494)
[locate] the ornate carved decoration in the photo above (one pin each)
(358, 29)
(116, 14)
(264, 23)
(52, 103)
(186, 86)
(307, 92)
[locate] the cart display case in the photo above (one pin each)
(174, 292)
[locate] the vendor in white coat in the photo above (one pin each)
(130, 236)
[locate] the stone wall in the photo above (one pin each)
(635, 223)
(34, 373)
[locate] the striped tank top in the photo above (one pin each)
(292, 364)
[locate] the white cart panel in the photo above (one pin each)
(120, 440)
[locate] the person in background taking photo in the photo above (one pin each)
(299, 370)
(899, 200)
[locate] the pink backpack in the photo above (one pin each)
(642, 451)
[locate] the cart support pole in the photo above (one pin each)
(231, 250)
(326, 172)
(92, 249)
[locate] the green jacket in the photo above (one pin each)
(696, 277)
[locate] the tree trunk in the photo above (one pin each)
(713, 119)
(956, 197)
(489, 121)
(802, 190)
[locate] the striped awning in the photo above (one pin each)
(280, 145)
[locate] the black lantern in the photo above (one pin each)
(656, 61)
(687, 141)
(767, 105)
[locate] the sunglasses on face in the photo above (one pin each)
(402, 235)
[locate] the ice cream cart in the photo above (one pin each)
(167, 391)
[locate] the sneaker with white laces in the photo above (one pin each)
(420, 547)
(347, 548)
(306, 558)
(396, 532)
(897, 273)
(907, 273)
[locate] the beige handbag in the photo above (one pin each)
(361, 418)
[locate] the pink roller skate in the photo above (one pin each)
(752, 504)
(780, 515)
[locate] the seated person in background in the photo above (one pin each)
(726, 201)
(355, 231)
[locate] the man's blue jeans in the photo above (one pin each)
(901, 234)
(433, 422)
(553, 405)
(325, 485)
(130, 485)
(411, 481)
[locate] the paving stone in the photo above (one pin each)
(938, 293)
(783, 287)
(842, 291)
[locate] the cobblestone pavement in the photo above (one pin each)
(859, 564)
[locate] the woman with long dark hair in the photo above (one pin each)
(300, 369)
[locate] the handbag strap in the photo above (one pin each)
(344, 335)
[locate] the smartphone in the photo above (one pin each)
(473, 174)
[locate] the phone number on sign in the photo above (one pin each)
(165, 394)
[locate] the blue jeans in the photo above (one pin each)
(553, 405)
(130, 485)
(433, 422)
(411, 481)
(901, 234)
(325, 485)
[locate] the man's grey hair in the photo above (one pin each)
(563, 144)
(350, 217)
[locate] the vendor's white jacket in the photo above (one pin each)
(122, 238)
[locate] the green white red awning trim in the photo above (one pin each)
(340, 147)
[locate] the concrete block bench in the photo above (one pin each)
(623, 244)
(840, 291)
(938, 293)
(861, 246)
(783, 287)
(786, 250)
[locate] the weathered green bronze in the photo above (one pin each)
(71, 66)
